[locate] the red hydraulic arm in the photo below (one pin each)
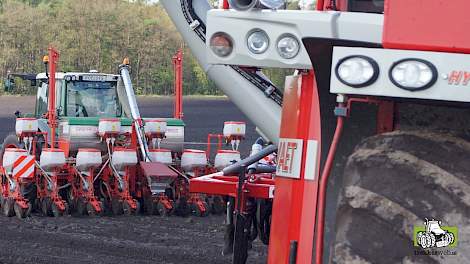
(52, 60)
(178, 70)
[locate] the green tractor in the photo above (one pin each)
(86, 147)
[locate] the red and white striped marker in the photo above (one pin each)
(24, 167)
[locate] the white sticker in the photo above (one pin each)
(289, 158)
(271, 192)
(98, 78)
(311, 160)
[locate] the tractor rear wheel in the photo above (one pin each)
(392, 182)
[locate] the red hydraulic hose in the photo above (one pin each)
(320, 5)
(322, 192)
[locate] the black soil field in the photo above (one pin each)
(138, 239)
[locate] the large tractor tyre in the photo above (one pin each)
(393, 182)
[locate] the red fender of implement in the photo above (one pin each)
(295, 201)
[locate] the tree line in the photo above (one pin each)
(96, 35)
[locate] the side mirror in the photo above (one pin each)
(33, 83)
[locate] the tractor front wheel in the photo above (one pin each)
(392, 182)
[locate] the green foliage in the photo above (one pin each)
(97, 35)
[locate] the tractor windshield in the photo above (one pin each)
(92, 99)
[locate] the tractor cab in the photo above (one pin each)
(91, 95)
(82, 99)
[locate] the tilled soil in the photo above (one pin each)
(138, 239)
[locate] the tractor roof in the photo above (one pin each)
(61, 75)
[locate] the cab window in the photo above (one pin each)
(92, 99)
(41, 98)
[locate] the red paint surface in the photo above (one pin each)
(294, 208)
(433, 25)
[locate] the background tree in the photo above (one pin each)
(97, 35)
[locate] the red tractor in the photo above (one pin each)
(402, 64)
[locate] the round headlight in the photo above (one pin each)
(357, 71)
(413, 74)
(221, 44)
(258, 42)
(288, 47)
(273, 4)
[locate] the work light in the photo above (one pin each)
(357, 71)
(413, 74)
